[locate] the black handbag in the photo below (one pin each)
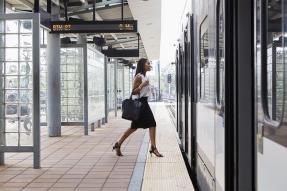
(131, 109)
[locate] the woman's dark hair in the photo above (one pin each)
(140, 66)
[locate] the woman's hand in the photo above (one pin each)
(145, 83)
(138, 80)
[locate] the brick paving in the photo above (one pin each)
(75, 161)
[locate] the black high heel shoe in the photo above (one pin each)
(117, 147)
(154, 150)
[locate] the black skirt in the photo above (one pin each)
(146, 118)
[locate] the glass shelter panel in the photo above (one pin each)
(72, 85)
(16, 81)
(43, 86)
(111, 85)
(127, 83)
(120, 84)
(96, 84)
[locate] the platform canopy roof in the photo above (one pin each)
(147, 12)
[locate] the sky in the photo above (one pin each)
(173, 13)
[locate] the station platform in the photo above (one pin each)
(78, 162)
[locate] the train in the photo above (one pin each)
(231, 94)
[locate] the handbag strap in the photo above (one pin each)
(136, 94)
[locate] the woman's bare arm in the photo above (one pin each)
(136, 85)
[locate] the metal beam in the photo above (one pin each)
(116, 38)
(107, 2)
(27, 3)
(17, 149)
(122, 41)
(89, 8)
(101, 5)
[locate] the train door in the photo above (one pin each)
(177, 92)
(184, 94)
(187, 65)
(191, 96)
(271, 119)
(220, 98)
(181, 110)
(180, 91)
(205, 107)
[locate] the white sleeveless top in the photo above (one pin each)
(145, 91)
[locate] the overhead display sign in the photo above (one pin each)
(124, 26)
(121, 53)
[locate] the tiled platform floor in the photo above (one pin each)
(78, 162)
(75, 161)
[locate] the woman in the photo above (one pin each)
(146, 119)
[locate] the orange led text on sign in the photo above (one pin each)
(65, 27)
(126, 26)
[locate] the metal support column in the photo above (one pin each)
(94, 11)
(36, 6)
(82, 40)
(116, 87)
(2, 111)
(122, 9)
(49, 6)
(54, 82)
(130, 81)
(123, 83)
(159, 95)
(36, 92)
(66, 9)
(106, 89)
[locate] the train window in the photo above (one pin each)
(272, 61)
(220, 57)
(204, 73)
(275, 80)
(203, 66)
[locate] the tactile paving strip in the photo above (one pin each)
(168, 173)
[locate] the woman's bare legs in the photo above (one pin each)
(118, 144)
(152, 133)
(126, 134)
(152, 136)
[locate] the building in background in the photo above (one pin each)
(167, 81)
(154, 77)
